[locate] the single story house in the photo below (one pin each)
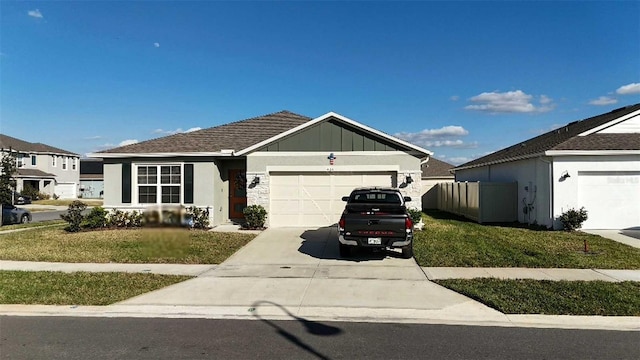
(296, 167)
(592, 163)
(434, 172)
(45, 168)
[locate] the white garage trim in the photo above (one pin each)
(333, 168)
(314, 198)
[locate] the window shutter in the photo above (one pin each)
(126, 183)
(188, 183)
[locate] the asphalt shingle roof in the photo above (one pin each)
(566, 138)
(436, 168)
(237, 136)
(7, 142)
(34, 173)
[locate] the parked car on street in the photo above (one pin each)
(14, 215)
(21, 199)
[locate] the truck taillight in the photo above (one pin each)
(408, 223)
(341, 223)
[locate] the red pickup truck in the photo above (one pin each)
(375, 218)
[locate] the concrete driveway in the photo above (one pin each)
(298, 272)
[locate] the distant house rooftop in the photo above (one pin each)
(7, 142)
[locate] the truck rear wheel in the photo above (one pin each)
(407, 251)
(345, 250)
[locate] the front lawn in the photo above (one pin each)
(78, 288)
(179, 246)
(450, 241)
(67, 202)
(48, 223)
(552, 297)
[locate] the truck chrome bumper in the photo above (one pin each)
(401, 243)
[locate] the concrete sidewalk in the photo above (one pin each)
(295, 273)
(229, 270)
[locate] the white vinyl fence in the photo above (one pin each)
(480, 201)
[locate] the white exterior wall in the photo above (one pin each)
(566, 193)
(534, 187)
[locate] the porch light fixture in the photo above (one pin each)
(565, 175)
(255, 181)
(408, 179)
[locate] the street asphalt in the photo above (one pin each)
(290, 273)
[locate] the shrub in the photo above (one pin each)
(74, 216)
(43, 196)
(255, 215)
(96, 219)
(572, 219)
(198, 218)
(415, 215)
(124, 219)
(31, 192)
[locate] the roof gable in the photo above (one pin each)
(573, 136)
(354, 127)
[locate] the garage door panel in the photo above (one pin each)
(314, 199)
(612, 199)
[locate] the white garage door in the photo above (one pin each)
(612, 199)
(314, 199)
(66, 190)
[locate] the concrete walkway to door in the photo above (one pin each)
(298, 272)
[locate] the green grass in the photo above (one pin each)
(66, 202)
(32, 225)
(552, 297)
(179, 246)
(79, 288)
(451, 241)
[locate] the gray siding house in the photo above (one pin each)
(45, 168)
(297, 167)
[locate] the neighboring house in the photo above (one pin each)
(593, 163)
(91, 179)
(434, 172)
(45, 168)
(298, 168)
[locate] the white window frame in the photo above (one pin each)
(74, 164)
(53, 160)
(34, 160)
(65, 163)
(159, 185)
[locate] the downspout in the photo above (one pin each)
(551, 193)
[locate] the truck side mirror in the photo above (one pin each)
(345, 198)
(407, 198)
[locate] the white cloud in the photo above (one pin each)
(156, 44)
(509, 102)
(444, 136)
(97, 137)
(176, 131)
(633, 88)
(603, 100)
(544, 99)
(35, 13)
(455, 98)
(128, 142)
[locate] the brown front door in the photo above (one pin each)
(237, 193)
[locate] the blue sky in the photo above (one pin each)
(461, 79)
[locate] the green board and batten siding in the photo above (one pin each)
(331, 135)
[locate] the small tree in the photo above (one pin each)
(572, 219)
(74, 216)
(7, 182)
